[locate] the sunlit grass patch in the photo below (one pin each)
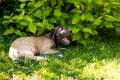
(105, 69)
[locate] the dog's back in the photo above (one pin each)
(24, 44)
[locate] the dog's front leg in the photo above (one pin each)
(62, 48)
(50, 51)
(33, 57)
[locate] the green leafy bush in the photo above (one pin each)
(84, 17)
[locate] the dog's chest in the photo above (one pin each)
(44, 43)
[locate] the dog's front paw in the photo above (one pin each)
(64, 49)
(58, 54)
(43, 58)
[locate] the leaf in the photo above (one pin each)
(86, 35)
(40, 30)
(22, 5)
(32, 27)
(90, 6)
(38, 4)
(109, 24)
(83, 42)
(38, 13)
(88, 30)
(52, 20)
(76, 2)
(62, 21)
(45, 22)
(89, 17)
(76, 18)
(22, 13)
(8, 31)
(28, 18)
(17, 17)
(94, 32)
(57, 13)
(50, 26)
(118, 17)
(76, 36)
(46, 11)
(106, 4)
(53, 2)
(89, 1)
(75, 30)
(24, 23)
(60, 2)
(65, 15)
(82, 17)
(107, 9)
(39, 24)
(30, 4)
(7, 17)
(117, 29)
(110, 18)
(69, 1)
(22, 0)
(76, 11)
(97, 21)
(82, 7)
(116, 2)
(18, 32)
(92, 26)
(100, 2)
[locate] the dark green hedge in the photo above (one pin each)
(84, 17)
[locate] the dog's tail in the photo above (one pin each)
(13, 54)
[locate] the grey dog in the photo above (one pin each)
(28, 46)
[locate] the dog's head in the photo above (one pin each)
(59, 34)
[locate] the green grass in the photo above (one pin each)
(95, 61)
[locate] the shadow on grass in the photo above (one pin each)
(96, 49)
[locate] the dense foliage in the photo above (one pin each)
(84, 17)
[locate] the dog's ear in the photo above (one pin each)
(53, 32)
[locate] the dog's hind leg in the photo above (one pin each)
(33, 57)
(13, 54)
(20, 62)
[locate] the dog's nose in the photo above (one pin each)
(67, 43)
(70, 31)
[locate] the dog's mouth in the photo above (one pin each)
(65, 40)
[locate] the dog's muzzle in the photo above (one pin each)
(63, 34)
(65, 41)
(64, 38)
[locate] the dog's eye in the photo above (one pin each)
(63, 31)
(60, 29)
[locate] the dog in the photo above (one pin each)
(28, 46)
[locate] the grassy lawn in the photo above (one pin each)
(95, 61)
